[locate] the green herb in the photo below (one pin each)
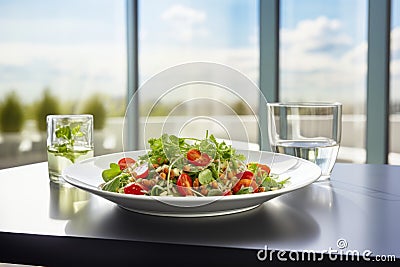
(116, 183)
(112, 185)
(270, 182)
(214, 171)
(172, 149)
(67, 136)
(205, 176)
(110, 173)
(245, 190)
(169, 148)
(207, 146)
(253, 166)
(157, 190)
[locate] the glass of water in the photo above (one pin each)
(311, 131)
(69, 140)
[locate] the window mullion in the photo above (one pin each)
(269, 62)
(131, 140)
(378, 81)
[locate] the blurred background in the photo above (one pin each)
(69, 57)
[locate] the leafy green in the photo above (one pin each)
(270, 182)
(112, 185)
(214, 170)
(156, 154)
(110, 173)
(245, 190)
(172, 149)
(65, 148)
(205, 176)
(207, 146)
(76, 131)
(116, 183)
(64, 132)
(157, 190)
(253, 166)
(223, 150)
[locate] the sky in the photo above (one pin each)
(74, 47)
(78, 47)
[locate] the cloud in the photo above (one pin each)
(186, 23)
(317, 58)
(320, 35)
(313, 45)
(320, 62)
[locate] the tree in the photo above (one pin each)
(48, 105)
(96, 107)
(12, 114)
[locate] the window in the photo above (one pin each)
(172, 33)
(75, 51)
(70, 51)
(323, 57)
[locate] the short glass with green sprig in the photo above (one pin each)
(69, 140)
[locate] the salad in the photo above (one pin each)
(175, 166)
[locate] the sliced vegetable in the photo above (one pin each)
(184, 184)
(203, 160)
(125, 163)
(245, 181)
(228, 193)
(141, 171)
(245, 175)
(135, 189)
(193, 154)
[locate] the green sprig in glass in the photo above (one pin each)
(70, 139)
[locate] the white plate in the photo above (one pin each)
(87, 176)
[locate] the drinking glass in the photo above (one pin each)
(69, 140)
(311, 131)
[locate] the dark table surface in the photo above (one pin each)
(357, 211)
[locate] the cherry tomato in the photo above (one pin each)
(142, 171)
(197, 158)
(246, 180)
(264, 168)
(125, 162)
(227, 193)
(244, 183)
(193, 154)
(245, 175)
(134, 189)
(184, 184)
